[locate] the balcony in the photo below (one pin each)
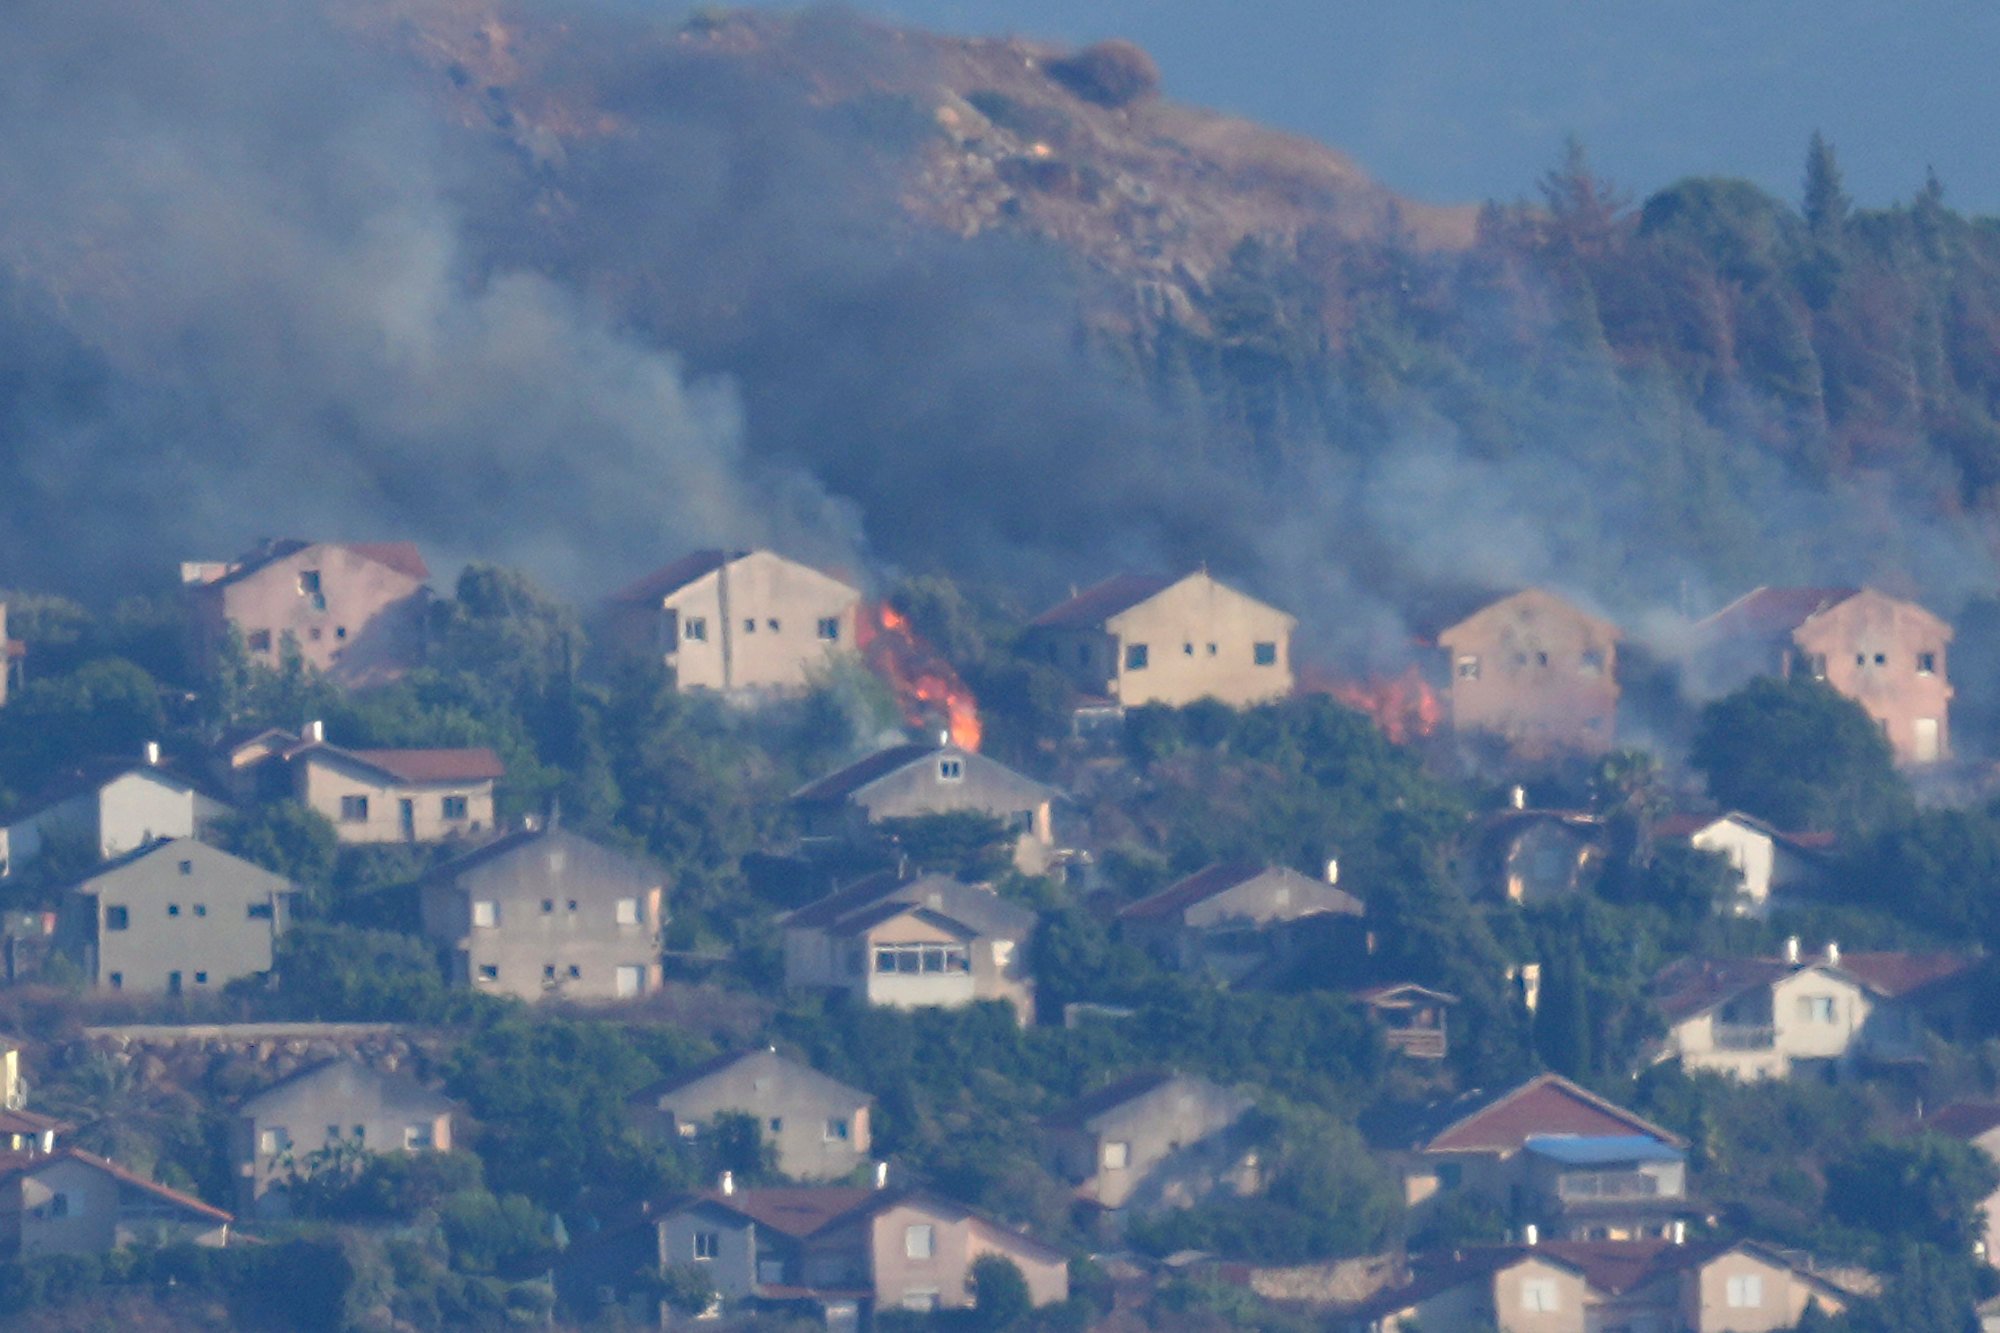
(1744, 1036)
(1573, 1187)
(1417, 1043)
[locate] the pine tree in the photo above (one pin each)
(1826, 204)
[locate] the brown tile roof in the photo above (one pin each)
(797, 1211)
(839, 785)
(1963, 1120)
(1895, 974)
(1098, 603)
(1080, 1111)
(1545, 1104)
(474, 764)
(670, 578)
(1690, 986)
(30, 1123)
(1769, 613)
(403, 557)
(18, 1164)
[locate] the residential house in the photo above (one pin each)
(1886, 654)
(542, 912)
(740, 622)
(1768, 861)
(1536, 672)
(397, 795)
(908, 781)
(354, 612)
(1556, 1157)
(1536, 856)
(1143, 639)
(22, 1130)
(1571, 1287)
(909, 944)
(1755, 1018)
(1151, 1141)
(71, 1202)
(843, 1252)
(1231, 918)
(1412, 1018)
(175, 917)
(818, 1125)
(1976, 1123)
(107, 808)
(326, 1117)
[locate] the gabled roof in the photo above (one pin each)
(672, 577)
(1690, 986)
(14, 1121)
(1389, 993)
(1099, 602)
(403, 557)
(1214, 880)
(342, 1076)
(798, 1073)
(470, 764)
(182, 848)
(1084, 1109)
(1769, 613)
(1897, 973)
(28, 1164)
(882, 896)
(1963, 1120)
(1687, 823)
(796, 1211)
(94, 775)
(638, 870)
(843, 783)
(1531, 597)
(1544, 1105)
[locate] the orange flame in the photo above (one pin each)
(1404, 705)
(923, 681)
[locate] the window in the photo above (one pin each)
(628, 912)
(314, 632)
(951, 770)
(361, 1133)
(777, 1124)
(1541, 659)
(275, 1140)
(548, 907)
(548, 971)
(173, 909)
(629, 980)
(1115, 1155)
(921, 1302)
(695, 629)
(772, 624)
(1187, 650)
(750, 626)
(1816, 665)
(707, 1244)
(1881, 659)
(1745, 1291)
(259, 912)
(57, 1206)
(457, 807)
(418, 1138)
(1468, 667)
(485, 912)
(332, 1133)
(340, 631)
(571, 905)
(1538, 1295)
(117, 980)
(837, 1130)
(909, 959)
(1926, 664)
(354, 809)
(117, 918)
(187, 867)
(575, 972)
(1816, 1009)
(1264, 654)
(1211, 650)
(489, 972)
(1135, 657)
(201, 909)
(201, 978)
(919, 1241)
(258, 641)
(309, 582)
(829, 629)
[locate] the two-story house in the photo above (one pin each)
(1151, 1141)
(1886, 654)
(908, 781)
(1576, 1287)
(71, 1202)
(176, 917)
(1554, 1156)
(1229, 919)
(739, 622)
(397, 795)
(542, 912)
(1413, 1019)
(1535, 672)
(846, 1252)
(326, 1117)
(1767, 861)
(355, 612)
(107, 808)
(1139, 639)
(1822, 1014)
(1536, 856)
(818, 1126)
(912, 944)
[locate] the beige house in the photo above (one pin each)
(397, 795)
(355, 612)
(818, 1126)
(70, 1202)
(323, 1118)
(111, 808)
(741, 622)
(1752, 1018)
(1159, 1140)
(543, 913)
(1976, 1123)
(1229, 919)
(1141, 639)
(909, 781)
(1886, 654)
(1535, 672)
(177, 917)
(912, 944)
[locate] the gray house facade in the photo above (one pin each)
(1229, 918)
(177, 917)
(906, 781)
(1153, 1141)
(338, 1106)
(543, 913)
(818, 1125)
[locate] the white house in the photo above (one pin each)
(112, 808)
(1770, 862)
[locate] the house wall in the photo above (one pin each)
(1751, 852)
(735, 607)
(1899, 696)
(90, 1221)
(371, 631)
(1048, 1276)
(733, 1270)
(1795, 1035)
(1088, 656)
(1705, 1297)
(1536, 672)
(957, 1242)
(323, 779)
(1510, 1299)
(310, 1116)
(137, 807)
(1174, 1150)
(1200, 638)
(802, 1108)
(903, 990)
(211, 940)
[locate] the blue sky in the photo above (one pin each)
(1454, 100)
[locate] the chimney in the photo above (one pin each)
(315, 732)
(1833, 953)
(1517, 797)
(1791, 948)
(152, 754)
(944, 738)
(881, 1175)
(1680, 1232)
(1333, 870)
(728, 1183)
(1531, 1235)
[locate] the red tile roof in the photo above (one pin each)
(1896, 974)
(1691, 986)
(1098, 603)
(1546, 1104)
(673, 577)
(18, 1164)
(403, 557)
(796, 1211)
(838, 786)
(1770, 613)
(1963, 1120)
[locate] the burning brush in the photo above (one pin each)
(923, 682)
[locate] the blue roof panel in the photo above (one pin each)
(1601, 1150)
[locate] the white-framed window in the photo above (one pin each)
(1115, 1155)
(913, 958)
(1135, 656)
(628, 911)
(274, 1140)
(485, 913)
(1539, 1295)
(919, 1240)
(354, 809)
(951, 770)
(695, 629)
(707, 1244)
(1468, 666)
(629, 980)
(1264, 654)
(418, 1138)
(829, 629)
(1816, 1009)
(1745, 1291)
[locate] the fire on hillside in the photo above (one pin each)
(1404, 705)
(924, 683)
